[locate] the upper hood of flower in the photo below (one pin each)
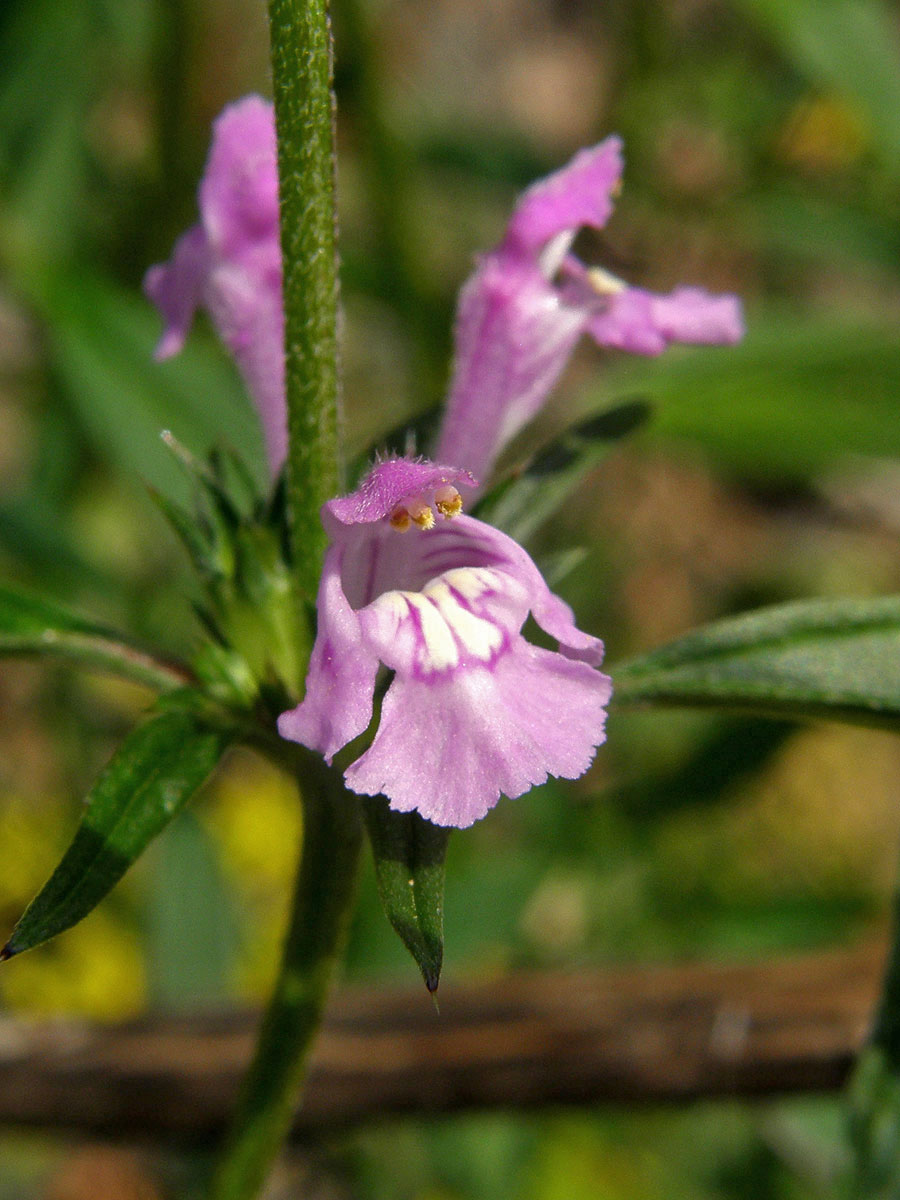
(388, 484)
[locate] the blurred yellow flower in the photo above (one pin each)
(824, 133)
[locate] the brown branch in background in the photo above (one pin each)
(627, 1036)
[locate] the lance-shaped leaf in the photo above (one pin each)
(151, 776)
(409, 867)
(520, 504)
(33, 626)
(825, 658)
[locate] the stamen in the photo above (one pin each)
(604, 283)
(400, 519)
(448, 501)
(420, 512)
(416, 510)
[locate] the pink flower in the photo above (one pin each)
(230, 263)
(473, 709)
(519, 316)
(528, 302)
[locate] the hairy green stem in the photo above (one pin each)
(304, 118)
(322, 900)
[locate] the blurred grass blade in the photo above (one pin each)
(192, 928)
(872, 1125)
(101, 340)
(791, 399)
(838, 659)
(851, 46)
(154, 772)
(32, 532)
(44, 166)
(557, 565)
(409, 867)
(520, 505)
(33, 626)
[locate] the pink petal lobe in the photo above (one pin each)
(645, 323)
(450, 747)
(340, 683)
(578, 194)
(473, 710)
(177, 287)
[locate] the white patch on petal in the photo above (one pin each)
(391, 608)
(552, 255)
(439, 650)
(478, 637)
(435, 630)
(470, 582)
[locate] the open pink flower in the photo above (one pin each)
(230, 263)
(473, 709)
(529, 300)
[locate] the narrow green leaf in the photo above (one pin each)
(409, 867)
(33, 626)
(520, 504)
(190, 531)
(827, 658)
(152, 775)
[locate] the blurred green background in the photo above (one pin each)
(763, 157)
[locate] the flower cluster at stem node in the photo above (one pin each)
(473, 710)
